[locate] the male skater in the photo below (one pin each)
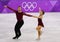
(20, 21)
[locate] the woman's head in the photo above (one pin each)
(41, 12)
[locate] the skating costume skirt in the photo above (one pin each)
(40, 22)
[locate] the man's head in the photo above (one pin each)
(19, 9)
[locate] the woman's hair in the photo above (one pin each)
(19, 6)
(43, 12)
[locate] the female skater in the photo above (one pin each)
(40, 24)
(20, 21)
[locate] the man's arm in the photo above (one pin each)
(10, 8)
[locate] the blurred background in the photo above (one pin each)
(30, 5)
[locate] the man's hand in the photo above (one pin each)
(5, 6)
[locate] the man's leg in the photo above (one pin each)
(17, 29)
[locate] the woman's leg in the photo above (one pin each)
(39, 34)
(39, 31)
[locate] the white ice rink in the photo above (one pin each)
(50, 33)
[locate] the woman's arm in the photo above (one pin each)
(35, 16)
(31, 15)
(10, 8)
(40, 17)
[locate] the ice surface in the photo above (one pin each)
(50, 33)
